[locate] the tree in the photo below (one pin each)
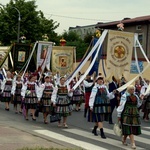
(33, 23)
(73, 39)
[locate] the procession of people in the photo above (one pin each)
(51, 94)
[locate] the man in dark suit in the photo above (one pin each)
(113, 102)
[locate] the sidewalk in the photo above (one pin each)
(13, 139)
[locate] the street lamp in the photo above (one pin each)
(19, 19)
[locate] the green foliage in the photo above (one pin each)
(73, 39)
(88, 38)
(33, 24)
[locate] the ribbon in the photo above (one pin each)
(100, 40)
(29, 59)
(99, 44)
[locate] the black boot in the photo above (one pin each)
(85, 112)
(102, 133)
(94, 131)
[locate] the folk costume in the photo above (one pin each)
(6, 90)
(78, 96)
(146, 102)
(16, 92)
(62, 96)
(129, 114)
(30, 96)
(88, 85)
(45, 93)
(100, 105)
(114, 102)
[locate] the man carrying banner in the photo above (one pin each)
(114, 102)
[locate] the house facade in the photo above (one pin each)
(139, 25)
(82, 31)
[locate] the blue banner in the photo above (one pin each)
(96, 64)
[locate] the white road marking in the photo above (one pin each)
(137, 138)
(66, 139)
(107, 141)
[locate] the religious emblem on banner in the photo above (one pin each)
(62, 59)
(44, 55)
(119, 52)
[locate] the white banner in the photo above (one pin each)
(44, 54)
(119, 53)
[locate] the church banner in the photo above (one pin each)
(44, 55)
(119, 53)
(20, 54)
(4, 50)
(62, 59)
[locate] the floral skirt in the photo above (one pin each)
(128, 130)
(64, 107)
(97, 117)
(47, 109)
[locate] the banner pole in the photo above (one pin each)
(29, 58)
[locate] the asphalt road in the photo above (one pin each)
(36, 133)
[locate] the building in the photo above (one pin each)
(139, 25)
(82, 31)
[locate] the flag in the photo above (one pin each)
(96, 64)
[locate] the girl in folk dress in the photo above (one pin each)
(6, 90)
(129, 116)
(45, 93)
(61, 95)
(99, 103)
(78, 95)
(30, 93)
(16, 92)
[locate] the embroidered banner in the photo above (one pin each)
(44, 55)
(62, 59)
(119, 53)
(20, 54)
(3, 54)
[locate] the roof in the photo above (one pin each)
(125, 21)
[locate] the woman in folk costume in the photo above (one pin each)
(99, 103)
(30, 93)
(146, 101)
(61, 95)
(78, 95)
(16, 92)
(6, 90)
(88, 84)
(129, 116)
(45, 93)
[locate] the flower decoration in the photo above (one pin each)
(23, 39)
(62, 42)
(97, 33)
(120, 26)
(133, 98)
(45, 37)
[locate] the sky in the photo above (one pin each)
(72, 13)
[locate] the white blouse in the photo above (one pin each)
(94, 92)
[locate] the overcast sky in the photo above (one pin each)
(70, 13)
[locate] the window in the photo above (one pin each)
(140, 38)
(139, 27)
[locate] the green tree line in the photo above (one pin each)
(33, 25)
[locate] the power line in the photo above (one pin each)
(77, 18)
